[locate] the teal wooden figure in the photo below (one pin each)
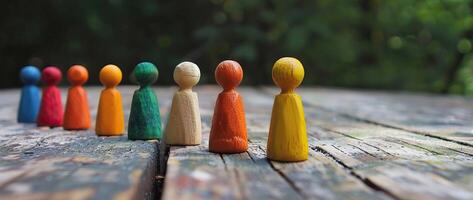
(30, 95)
(145, 120)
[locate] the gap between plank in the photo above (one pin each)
(234, 172)
(163, 155)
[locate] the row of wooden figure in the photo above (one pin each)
(287, 140)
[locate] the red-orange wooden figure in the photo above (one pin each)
(77, 115)
(51, 111)
(228, 133)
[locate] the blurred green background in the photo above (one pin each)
(418, 45)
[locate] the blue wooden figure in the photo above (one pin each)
(30, 95)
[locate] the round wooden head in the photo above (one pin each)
(146, 73)
(51, 75)
(229, 74)
(186, 75)
(110, 76)
(77, 75)
(288, 73)
(30, 75)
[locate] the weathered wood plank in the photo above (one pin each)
(41, 163)
(368, 149)
(232, 176)
(357, 152)
(380, 155)
(320, 177)
(195, 173)
(257, 179)
(192, 172)
(255, 176)
(447, 117)
(59, 161)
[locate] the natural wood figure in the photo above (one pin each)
(184, 123)
(287, 140)
(77, 115)
(30, 95)
(228, 133)
(145, 120)
(110, 118)
(51, 111)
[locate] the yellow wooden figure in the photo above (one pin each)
(287, 140)
(110, 116)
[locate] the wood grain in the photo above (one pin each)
(443, 117)
(40, 163)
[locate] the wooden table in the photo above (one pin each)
(363, 145)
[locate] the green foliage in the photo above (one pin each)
(395, 44)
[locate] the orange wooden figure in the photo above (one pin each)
(77, 115)
(110, 118)
(228, 133)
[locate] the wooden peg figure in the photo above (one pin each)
(287, 140)
(228, 133)
(184, 123)
(30, 95)
(110, 118)
(77, 116)
(145, 120)
(51, 111)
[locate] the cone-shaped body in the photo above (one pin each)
(110, 118)
(287, 140)
(51, 111)
(77, 115)
(145, 119)
(184, 123)
(228, 133)
(29, 104)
